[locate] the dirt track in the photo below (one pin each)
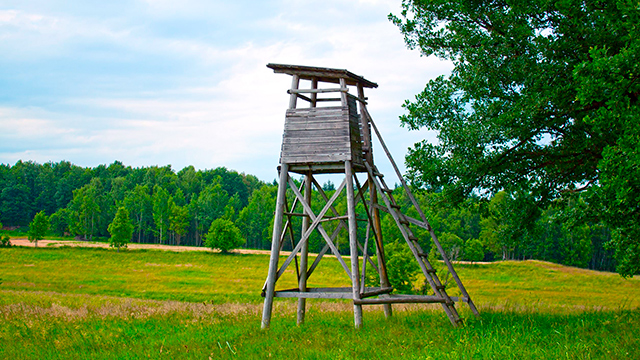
(56, 243)
(177, 248)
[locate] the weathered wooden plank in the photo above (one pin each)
(317, 168)
(317, 91)
(325, 116)
(310, 152)
(340, 143)
(394, 299)
(316, 133)
(318, 155)
(316, 140)
(331, 136)
(316, 113)
(324, 289)
(316, 158)
(319, 116)
(309, 295)
(311, 110)
(296, 149)
(337, 119)
(323, 123)
(322, 74)
(317, 126)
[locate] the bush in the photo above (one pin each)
(4, 239)
(402, 268)
(223, 235)
(474, 250)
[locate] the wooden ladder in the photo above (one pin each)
(403, 221)
(429, 272)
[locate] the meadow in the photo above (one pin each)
(61, 303)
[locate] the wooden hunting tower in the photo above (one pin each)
(337, 139)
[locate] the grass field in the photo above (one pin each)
(101, 304)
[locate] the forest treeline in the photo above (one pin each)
(170, 207)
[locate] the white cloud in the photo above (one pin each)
(210, 102)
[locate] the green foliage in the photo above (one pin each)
(85, 209)
(511, 225)
(255, 223)
(224, 236)
(139, 203)
(452, 245)
(59, 221)
(162, 205)
(402, 268)
(179, 220)
(474, 250)
(83, 201)
(120, 229)
(5, 241)
(542, 100)
(38, 227)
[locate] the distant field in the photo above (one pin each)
(97, 303)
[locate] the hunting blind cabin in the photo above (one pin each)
(336, 139)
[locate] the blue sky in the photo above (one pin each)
(159, 82)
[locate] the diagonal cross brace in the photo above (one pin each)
(342, 222)
(316, 221)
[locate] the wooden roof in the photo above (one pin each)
(322, 74)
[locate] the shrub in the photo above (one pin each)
(402, 268)
(223, 235)
(4, 238)
(474, 250)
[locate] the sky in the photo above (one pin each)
(158, 82)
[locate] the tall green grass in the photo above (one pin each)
(74, 303)
(127, 331)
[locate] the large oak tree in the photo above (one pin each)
(543, 100)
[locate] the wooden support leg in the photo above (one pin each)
(275, 247)
(353, 245)
(304, 252)
(384, 277)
